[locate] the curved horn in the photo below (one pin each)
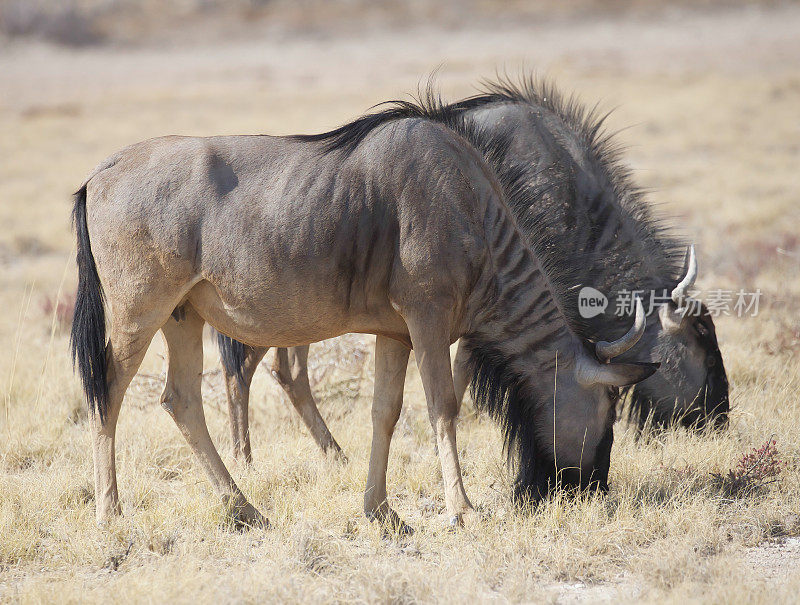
(607, 350)
(679, 293)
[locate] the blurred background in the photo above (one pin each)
(140, 22)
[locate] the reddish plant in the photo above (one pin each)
(61, 309)
(755, 469)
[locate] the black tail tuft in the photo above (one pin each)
(233, 354)
(88, 338)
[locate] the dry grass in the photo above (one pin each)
(718, 140)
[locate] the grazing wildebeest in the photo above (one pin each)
(392, 225)
(579, 208)
(587, 204)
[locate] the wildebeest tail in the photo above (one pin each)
(233, 354)
(88, 337)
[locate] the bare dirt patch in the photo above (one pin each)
(774, 562)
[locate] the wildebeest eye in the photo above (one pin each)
(613, 395)
(711, 361)
(702, 330)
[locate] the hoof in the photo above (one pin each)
(103, 523)
(466, 519)
(242, 457)
(104, 518)
(339, 456)
(404, 529)
(391, 523)
(244, 516)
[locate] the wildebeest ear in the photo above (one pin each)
(625, 374)
(670, 317)
(589, 372)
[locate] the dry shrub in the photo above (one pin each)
(754, 470)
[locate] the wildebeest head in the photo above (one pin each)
(691, 387)
(567, 442)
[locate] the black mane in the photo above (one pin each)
(347, 137)
(658, 266)
(503, 394)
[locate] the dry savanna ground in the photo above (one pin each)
(712, 98)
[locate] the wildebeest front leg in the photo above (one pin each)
(183, 401)
(290, 369)
(238, 391)
(432, 351)
(391, 362)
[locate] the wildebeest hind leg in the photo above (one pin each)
(124, 353)
(182, 400)
(290, 369)
(391, 362)
(238, 392)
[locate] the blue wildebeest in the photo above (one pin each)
(580, 211)
(392, 225)
(603, 227)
